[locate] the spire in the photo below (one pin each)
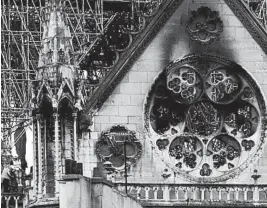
(56, 41)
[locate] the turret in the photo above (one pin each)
(57, 100)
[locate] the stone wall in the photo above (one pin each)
(75, 191)
(82, 192)
(125, 104)
(104, 195)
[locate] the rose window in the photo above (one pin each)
(205, 118)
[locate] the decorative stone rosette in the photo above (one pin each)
(204, 25)
(111, 149)
(216, 132)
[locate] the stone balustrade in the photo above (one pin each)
(161, 194)
(11, 200)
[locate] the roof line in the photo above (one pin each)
(128, 58)
(250, 22)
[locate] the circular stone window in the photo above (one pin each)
(204, 116)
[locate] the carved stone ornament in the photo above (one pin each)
(111, 149)
(204, 25)
(215, 132)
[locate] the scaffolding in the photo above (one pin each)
(259, 9)
(21, 41)
(90, 30)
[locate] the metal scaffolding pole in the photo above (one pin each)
(21, 41)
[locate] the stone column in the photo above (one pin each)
(220, 194)
(211, 194)
(166, 193)
(256, 195)
(35, 164)
(16, 201)
(202, 191)
(45, 159)
(56, 134)
(245, 194)
(228, 191)
(39, 152)
(75, 135)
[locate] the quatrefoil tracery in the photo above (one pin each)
(117, 145)
(204, 25)
(222, 125)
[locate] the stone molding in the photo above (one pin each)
(251, 24)
(128, 58)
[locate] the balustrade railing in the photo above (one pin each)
(11, 200)
(198, 193)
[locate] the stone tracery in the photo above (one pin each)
(119, 147)
(211, 134)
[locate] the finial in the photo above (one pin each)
(255, 176)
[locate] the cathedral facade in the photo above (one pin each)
(179, 120)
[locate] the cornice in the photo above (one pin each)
(128, 58)
(250, 22)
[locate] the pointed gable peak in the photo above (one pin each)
(56, 41)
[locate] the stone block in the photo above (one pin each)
(145, 88)
(125, 78)
(180, 49)
(264, 89)
(152, 54)
(134, 67)
(236, 44)
(130, 88)
(137, 76)
(250, 55)
(94, 135)
(140, 127)
(151, 65)
(250, 66)
(137, 100)
(232, 20)
(93, 159)
(263, 162)
(171, 31)
(241, 33)
(146, 65)
(225, 9)
(157, 41)
(228, 33)
(87, 173)
(130, 110)
(101, 119)
(131, 127)
(264, 152)
(97, 127)
(116, 90)
(174, 19)
(105, 127)
(259, 78)
(109, 110)
(119, 99)
(118, 119)
(152, 76)
(135, 119)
